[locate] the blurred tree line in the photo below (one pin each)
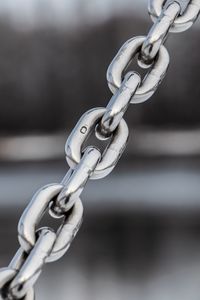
(49, 77)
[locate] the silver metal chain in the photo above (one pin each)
(43, 245)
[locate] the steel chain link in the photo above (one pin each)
(43, 245)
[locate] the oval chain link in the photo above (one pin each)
(33, 213)
(184, 21)
(118, 105)
(6, 275)
(158, 34)
(43, 245)
(121, 61)
(81, 132)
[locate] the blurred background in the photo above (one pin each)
(140, 238)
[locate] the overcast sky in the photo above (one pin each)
(70, 12)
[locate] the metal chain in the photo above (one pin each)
(43, 245)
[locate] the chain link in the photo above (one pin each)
(189, 13)
(6, 275)
(118, 104)
(43, 245)
(158, 34)
(122, 60)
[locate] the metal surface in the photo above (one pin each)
(182, 22)
(39, 246)
(158, 34)
(32, 267)
(67, 232)
(77, 181)
(34, 212)
(123, 58)
(81, 132)
(118, 104)
(6, 275)
(182, 3)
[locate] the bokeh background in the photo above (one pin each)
(140, 238)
